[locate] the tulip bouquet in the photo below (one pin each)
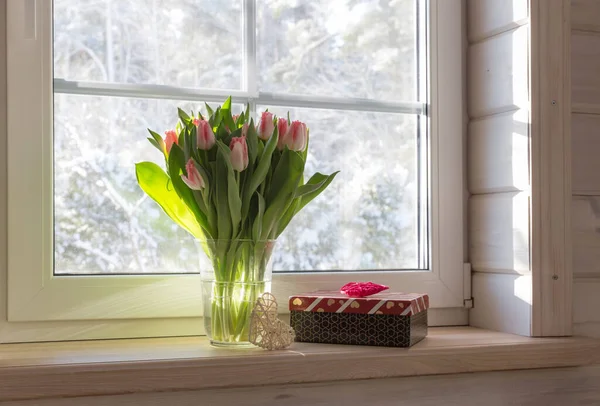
(235, 187)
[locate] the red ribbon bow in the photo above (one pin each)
(362, 289)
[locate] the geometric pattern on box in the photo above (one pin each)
(359, 329)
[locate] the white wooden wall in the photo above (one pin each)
(585, 63)
(498, 163)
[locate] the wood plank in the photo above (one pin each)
(29, 371)
(498, 73)
(498, 153)
(491, 17)
(549, 387)
(586, 236)
(585, 15)
(586, 301)
(502, 302)
(551, 257)
(499, 232)
(589, 329)
(586, 149)
(586, 65)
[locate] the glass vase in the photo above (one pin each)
(236, 274)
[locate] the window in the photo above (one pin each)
(374, 80)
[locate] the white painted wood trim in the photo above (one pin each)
(487, 18)
(550, 79)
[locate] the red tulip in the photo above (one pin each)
(170, 139)
(206, 137)
(296, 136)
(193, 179)
(239, 153)
(282, 128)
(265, 126)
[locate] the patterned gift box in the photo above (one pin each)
(385, 319)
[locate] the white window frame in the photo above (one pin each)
(44, 306)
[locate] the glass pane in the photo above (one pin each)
(351, 48)
(367, 218)
(104, 223)
(189, 43)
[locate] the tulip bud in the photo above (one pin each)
(265, 126)
(196, 121)
(193, 179)
(239, 153)
(245, 129)
(206, 137)
(170, 139)
(282, 128)
(296, 136)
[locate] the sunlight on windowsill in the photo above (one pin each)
(189, 363)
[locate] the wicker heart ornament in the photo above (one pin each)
(266, 330)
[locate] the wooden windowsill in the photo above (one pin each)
(89, 368)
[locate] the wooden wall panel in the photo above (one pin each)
(586, 236)
(585, 15)
(499, 232)
(586, 153)
(499, 153)
(585, 54)
(502, 302)
(551, 257)
(498, 73)
(490, 17)
(586, 307)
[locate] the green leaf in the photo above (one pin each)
(252, 141)
(287, 217)
(226, 114)
(183, 116)
(153, 142)
(265, 161)
(289, 164)
(257, 226)
(157, 185)
(176, 168)
(209, 110)
(314, 183)
(221, 197)
(311, 194)
(288, 174)
(233, 195)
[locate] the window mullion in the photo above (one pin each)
(249, 52)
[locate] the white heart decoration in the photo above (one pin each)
(266, 330)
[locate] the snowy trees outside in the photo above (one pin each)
(367, 219)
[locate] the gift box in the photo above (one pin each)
(385, 319)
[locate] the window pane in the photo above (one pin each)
(361, 48)
(189, 43)
(104, 223)
(367, 218)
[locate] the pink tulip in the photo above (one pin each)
(235, 117)
(265, 126)
(206, 137)
(170, 139)
(282, 128)
(296, 136)
(193, 178)
(239, 153)
(245, 129)
(196, 121)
